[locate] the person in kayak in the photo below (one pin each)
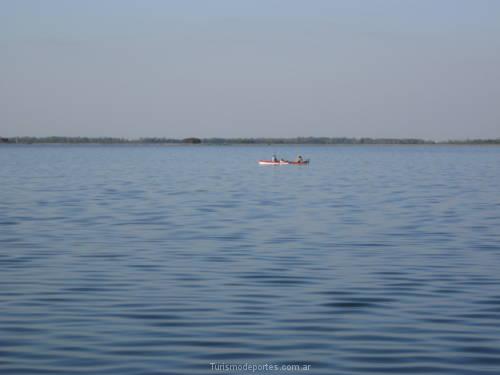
(299, 159)
(274, 159)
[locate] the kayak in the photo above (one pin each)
(283, 162)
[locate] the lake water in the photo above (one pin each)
(163, 260)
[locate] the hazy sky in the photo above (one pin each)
(231, 68)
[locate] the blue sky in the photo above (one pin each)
(375, 68)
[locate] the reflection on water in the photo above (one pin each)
(162, 260)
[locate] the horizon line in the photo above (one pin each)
(243, 140)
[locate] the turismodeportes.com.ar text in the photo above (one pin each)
(252, 367)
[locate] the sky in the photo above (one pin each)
(257, 68)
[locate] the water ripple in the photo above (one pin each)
(371, 260)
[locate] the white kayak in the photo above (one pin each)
(283, 162)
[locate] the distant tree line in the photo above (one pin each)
(242, 141)
(474, 142)
(316, 140)
(91, 140)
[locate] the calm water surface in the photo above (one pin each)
(162, 260)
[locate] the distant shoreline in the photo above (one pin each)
(242, 141)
